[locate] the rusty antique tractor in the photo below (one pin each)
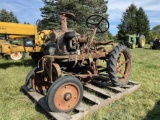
(71, 60)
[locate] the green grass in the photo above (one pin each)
(14, 105)
(142, 104)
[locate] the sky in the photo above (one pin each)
(28, 10)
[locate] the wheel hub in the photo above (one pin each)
(67, 96)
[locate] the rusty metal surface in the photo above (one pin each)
(63, 23)
(83, 39)
(72, 54)
(67, 14)
(96, 96)
(103, 43)
(37, 85)
(67, 96)
(123, 65)
(57, 70)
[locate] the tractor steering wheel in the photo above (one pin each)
(99, 22)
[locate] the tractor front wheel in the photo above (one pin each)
(65, 94)
(16, 56)
(119, 65)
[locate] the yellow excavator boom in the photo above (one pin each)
(17, 29)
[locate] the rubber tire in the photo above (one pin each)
(58, 83)
(22, 58)
(112, 61)
(140, 41)
(28, 79)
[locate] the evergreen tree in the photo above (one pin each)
(134, 21)
(128, 22)
(142, 23)
(26, 23)
(81, 8)
(13, 18)
(7, 16)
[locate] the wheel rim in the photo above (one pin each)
(39, 83)
(123, 66)
(16, 55)
(143, 41)
(67, 96)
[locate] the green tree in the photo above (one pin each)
(6, 16)
(134, 21)
(128, 23)
(156, 28)
(81, 8)
(26, 23)
(155, 32)
(142, 23)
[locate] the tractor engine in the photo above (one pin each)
(64, 44)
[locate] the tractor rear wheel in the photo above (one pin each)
(16, 56)
(119, 65)
(65, 94)
(141, 41)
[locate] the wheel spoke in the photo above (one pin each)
(120, 70)
(121, 73)
(99, 22)
(124, 62)
(119, 56)
(99, 29)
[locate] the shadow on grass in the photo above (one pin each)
(148, 48)
(42, 111)
(25, 63)
(102, 81)
(38, 108)
(154, 114)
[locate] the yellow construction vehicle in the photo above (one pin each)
(17, 39)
